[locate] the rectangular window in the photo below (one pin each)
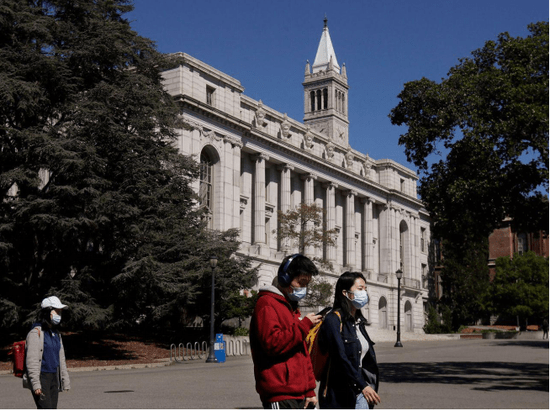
(210, 95)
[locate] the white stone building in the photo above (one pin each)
(256, 160)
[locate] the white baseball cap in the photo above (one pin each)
(53, 302)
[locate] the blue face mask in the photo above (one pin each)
(297, 293)
(56, 319)
(361, 298)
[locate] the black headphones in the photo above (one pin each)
(282, 275)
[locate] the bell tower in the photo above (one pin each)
(326, 93)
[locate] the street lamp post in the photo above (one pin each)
(399, 275)
(211, 356)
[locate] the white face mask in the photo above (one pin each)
(297, 293)
(360, 298)
(56, 319)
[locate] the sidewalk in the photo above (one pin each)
(483, 374)
(377, 335)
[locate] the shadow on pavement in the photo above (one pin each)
(489, 376)
(523, 343)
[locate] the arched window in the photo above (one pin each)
(205, 188)
(343, 103)
(312, 100)
(382, 313)
(318, 99)
(325, 98)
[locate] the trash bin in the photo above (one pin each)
(219, 348)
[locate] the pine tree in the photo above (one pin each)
(96, 203)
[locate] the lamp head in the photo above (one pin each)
(213, 261)
(399, 274)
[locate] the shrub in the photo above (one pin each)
(433, 325)
(240, 332)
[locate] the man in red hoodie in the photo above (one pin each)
(282, 368)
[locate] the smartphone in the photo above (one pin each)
(324, 311)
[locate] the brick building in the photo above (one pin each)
(504, 242)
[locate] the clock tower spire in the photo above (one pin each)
(326, 93)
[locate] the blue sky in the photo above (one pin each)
(384, 44)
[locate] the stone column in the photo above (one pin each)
(237, 150)
(330, 208)
(309, 193)
(259, 198)
(396, 239)
(231, 187)
(385, 240)
(309, 199)
(350, 229)
(368, 264)
(284, 192)
(285, 170)
(415, 249)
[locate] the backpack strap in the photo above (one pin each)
(340, 317)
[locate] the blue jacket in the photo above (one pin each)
(345, 378)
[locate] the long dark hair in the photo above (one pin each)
(44, 318)
(341, 302)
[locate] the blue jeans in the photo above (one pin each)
(361, 403)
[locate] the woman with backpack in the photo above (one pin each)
(351, 376)
(46, 370)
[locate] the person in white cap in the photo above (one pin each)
(46, 369)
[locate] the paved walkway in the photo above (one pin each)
(422, 374)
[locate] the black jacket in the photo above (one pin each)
(344, 378)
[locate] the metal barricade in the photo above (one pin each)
(189, 351)
(234, 346)
(237, 346)
(177, 353)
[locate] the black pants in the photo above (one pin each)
(285, 404)
(50, 391)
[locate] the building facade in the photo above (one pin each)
(256, 160)
(505, 242)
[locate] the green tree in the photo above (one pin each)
(304, 226)
(319, 294)
(490, 118)
(433, 323)
(520, 287)
(239, 306)
(96, 204)
(465, 280)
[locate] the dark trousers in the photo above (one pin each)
(285, 404)
(50, 391)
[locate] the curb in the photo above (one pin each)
(161, 363)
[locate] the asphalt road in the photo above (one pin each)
(423, 374)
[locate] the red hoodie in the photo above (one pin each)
(282, 367)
